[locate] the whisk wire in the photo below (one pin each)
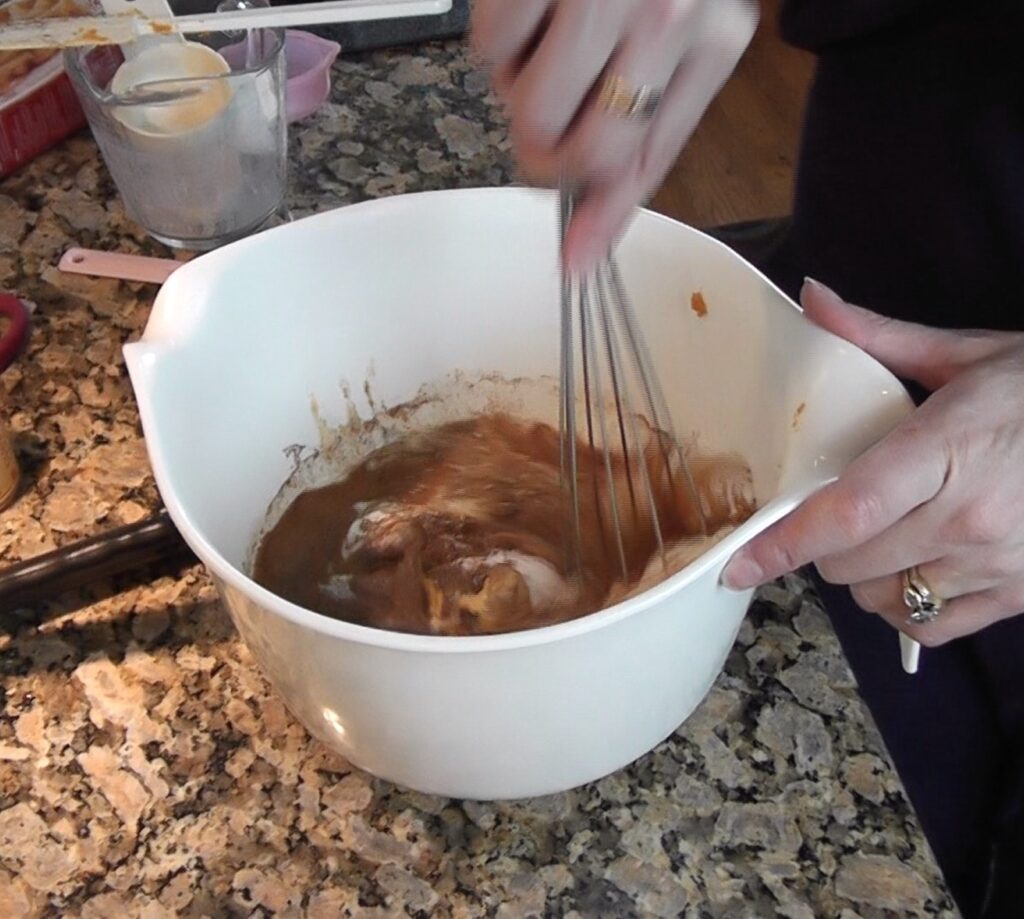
(614, 373)
(614, 361)
(661, 416)
(568, 459)
(585, 365)
(631, 419)
(587, 304)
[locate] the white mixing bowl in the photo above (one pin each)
(409, 289)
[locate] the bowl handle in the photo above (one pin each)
(910, 650)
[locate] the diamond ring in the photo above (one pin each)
(924, 604)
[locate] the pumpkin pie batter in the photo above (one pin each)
(461, 530)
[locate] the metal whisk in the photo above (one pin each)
(620, 392)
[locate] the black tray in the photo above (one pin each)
(365, 36)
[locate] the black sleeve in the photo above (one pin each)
(816, 24)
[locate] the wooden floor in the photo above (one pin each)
(739, 164)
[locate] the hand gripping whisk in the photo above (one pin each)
(628, 456)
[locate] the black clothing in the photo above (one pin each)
(910, 201)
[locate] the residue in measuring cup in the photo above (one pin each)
(173, 65)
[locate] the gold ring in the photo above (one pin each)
(617, 97)
(924, 604)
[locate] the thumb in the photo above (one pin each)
(921, 353)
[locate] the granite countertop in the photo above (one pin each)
(146, 769)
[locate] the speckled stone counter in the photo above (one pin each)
(147, 770)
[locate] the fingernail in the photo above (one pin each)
(742, 573)
(820, 288)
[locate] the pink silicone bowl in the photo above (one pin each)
(308, 59)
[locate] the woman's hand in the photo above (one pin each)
(550, 59)
(944, 491)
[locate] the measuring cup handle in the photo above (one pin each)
(16, 334)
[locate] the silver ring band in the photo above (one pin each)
(924, 604)
(617, 97)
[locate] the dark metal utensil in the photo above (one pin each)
(45, 577)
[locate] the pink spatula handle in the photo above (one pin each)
(118, 265)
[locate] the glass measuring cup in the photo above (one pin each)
(199, 161)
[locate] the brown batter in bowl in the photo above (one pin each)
(462, 530)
